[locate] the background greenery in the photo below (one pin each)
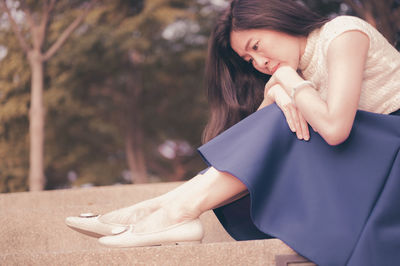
(124, 97)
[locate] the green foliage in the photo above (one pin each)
(88, 93)
(14, 105)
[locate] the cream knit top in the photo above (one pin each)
(380, 91)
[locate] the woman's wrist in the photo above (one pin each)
(299, 86)
(288, 78)
(271, 93)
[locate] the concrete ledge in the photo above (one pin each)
(32, 232)
(257, 252)
(34, 221)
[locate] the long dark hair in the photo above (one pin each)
(235, 89)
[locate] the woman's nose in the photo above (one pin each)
(260, 62)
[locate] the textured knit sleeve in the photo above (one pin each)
(380, 91)
(340, 25)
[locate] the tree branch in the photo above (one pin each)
(67, 32)
(47, 8)
(37, 39)
(356, 8)
(29, 17)
(51, 5)
(24, 46)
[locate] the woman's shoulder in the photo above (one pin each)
(342, 24)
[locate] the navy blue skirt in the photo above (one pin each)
(335, 205)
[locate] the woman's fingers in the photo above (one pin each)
(295, 120)
(289, 117)
(285, 104)
(304, 127)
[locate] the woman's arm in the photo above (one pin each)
(334, 118)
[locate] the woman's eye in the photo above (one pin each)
(255, 46)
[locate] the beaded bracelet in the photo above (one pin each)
(299, 86)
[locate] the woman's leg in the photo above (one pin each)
(190, 200)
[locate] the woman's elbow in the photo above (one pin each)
(336, 135)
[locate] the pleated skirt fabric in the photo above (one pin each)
(335, 205)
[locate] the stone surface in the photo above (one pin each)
(258, 252)
(33, 232)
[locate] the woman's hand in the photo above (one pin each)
(294, 118)
(285, 76)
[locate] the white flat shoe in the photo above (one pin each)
(188, 232)
(89, 224)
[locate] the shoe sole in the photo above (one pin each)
(88, 233)
(184, 243)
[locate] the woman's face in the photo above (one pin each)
(267, 50)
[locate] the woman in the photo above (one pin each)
(332, 192)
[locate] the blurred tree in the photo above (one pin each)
(118, 92)
(37, 23)
(14, 102)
